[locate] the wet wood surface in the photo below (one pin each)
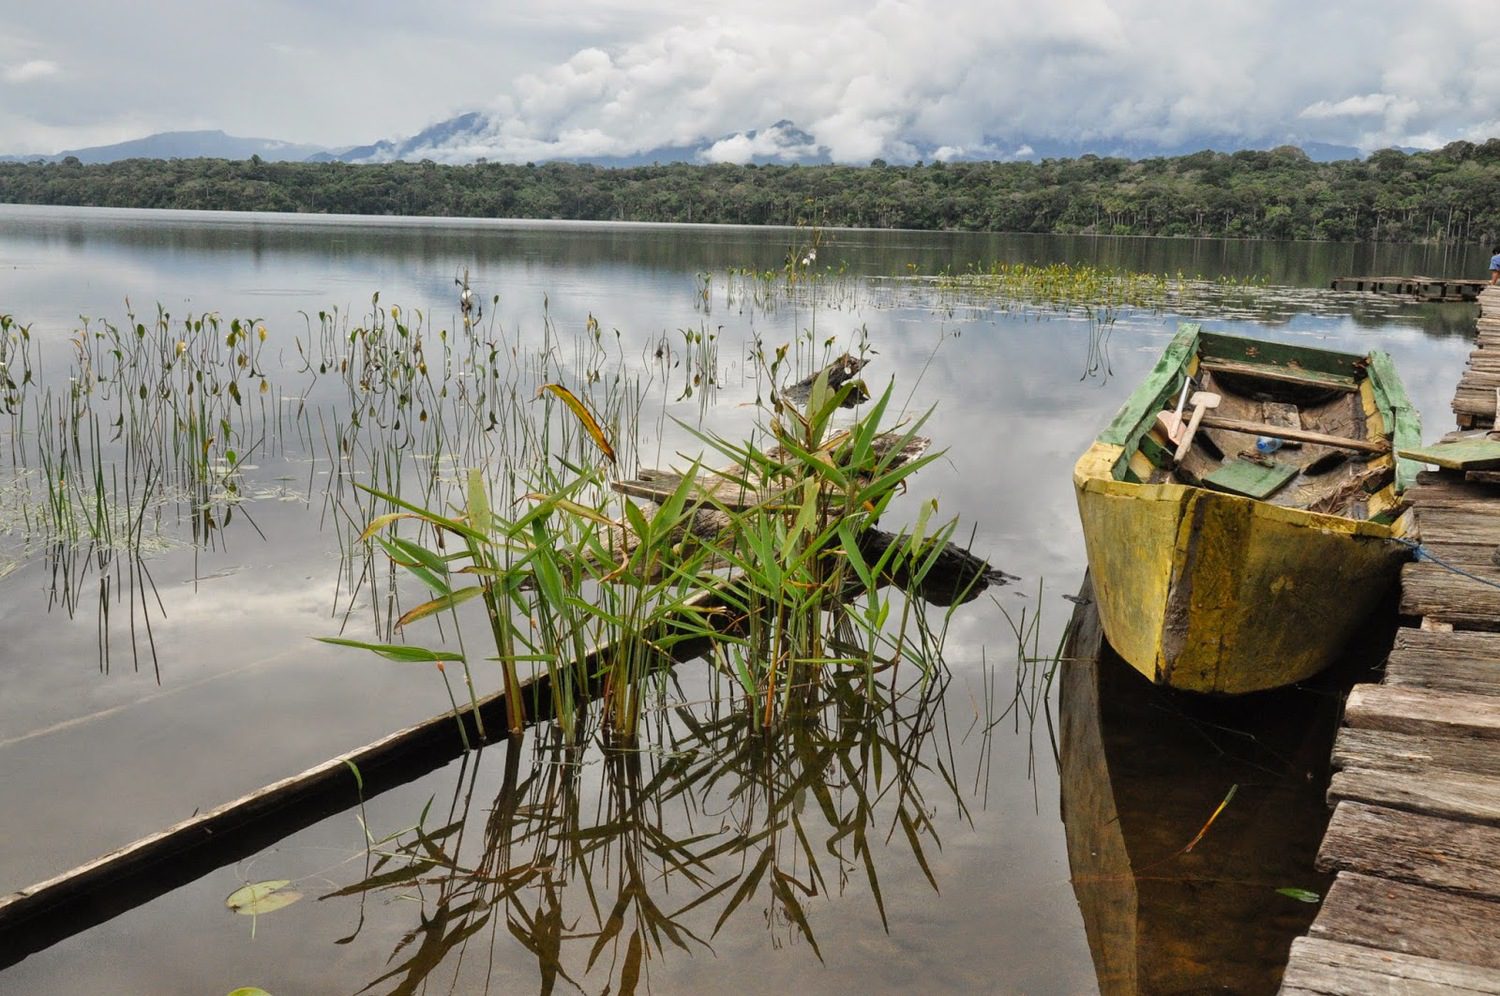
(1415, 834)
(1413, 847)
(1320, 966)
(1409, 919)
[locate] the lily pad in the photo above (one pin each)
(262, 897)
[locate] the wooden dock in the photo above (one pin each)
(1420, 288)
(1415, 833)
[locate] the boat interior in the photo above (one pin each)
(1317, 448)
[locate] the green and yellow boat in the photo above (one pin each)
(1243, 511)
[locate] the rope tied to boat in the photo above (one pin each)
(1422, 553)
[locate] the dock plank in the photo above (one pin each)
(1382, 750)
(1454, 795)
(1410, 847)
(1333, 969)
(1410, 919)
(1470, 645)
(1420, 711)
(1456, 661)
(1428, 589)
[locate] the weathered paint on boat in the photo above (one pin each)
(1214, 592)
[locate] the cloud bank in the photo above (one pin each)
(855, 81)
(977, 79)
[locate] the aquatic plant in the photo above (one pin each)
(761, 558)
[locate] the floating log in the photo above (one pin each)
(840, 371)
(43, 914)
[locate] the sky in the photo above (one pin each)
(865, 78)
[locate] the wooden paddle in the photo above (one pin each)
(1202, 402)
(1171, 423)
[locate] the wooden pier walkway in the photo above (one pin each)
(1415, 833)
(1421, 288)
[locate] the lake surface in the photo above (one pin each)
(920, 847)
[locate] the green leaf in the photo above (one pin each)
(479, 502)
(439, 604)
(413, 565)
(1301, 895)
(249, 991)
(262, 897)
(403, 653)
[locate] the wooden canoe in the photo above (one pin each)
(1231, 570)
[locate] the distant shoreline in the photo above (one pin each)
(1448, 196)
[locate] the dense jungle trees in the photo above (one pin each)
(1450, 194)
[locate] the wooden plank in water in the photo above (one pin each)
(1451, 794)
(1334, 969)
(1412, 847)
(1382, 750)
(42, 914)
(1410, 919)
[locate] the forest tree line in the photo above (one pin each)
(1450, 194)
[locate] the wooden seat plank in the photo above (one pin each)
(1282, 374)
(1411, 847)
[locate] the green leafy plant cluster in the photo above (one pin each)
(760, 562)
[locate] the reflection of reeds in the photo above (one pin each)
(676, 844)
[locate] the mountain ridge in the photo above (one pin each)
(462, 139)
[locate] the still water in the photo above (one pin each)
(916, 847)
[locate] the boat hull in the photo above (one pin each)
(1213, 592)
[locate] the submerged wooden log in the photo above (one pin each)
(43, 914)
(840, 371)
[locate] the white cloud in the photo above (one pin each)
(973, 78)
(30, 71)
(888, 78)
(1368, 105)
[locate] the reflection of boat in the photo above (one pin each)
(1143, 770)
(1227, 569)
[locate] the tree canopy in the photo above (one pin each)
(1449, 194)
